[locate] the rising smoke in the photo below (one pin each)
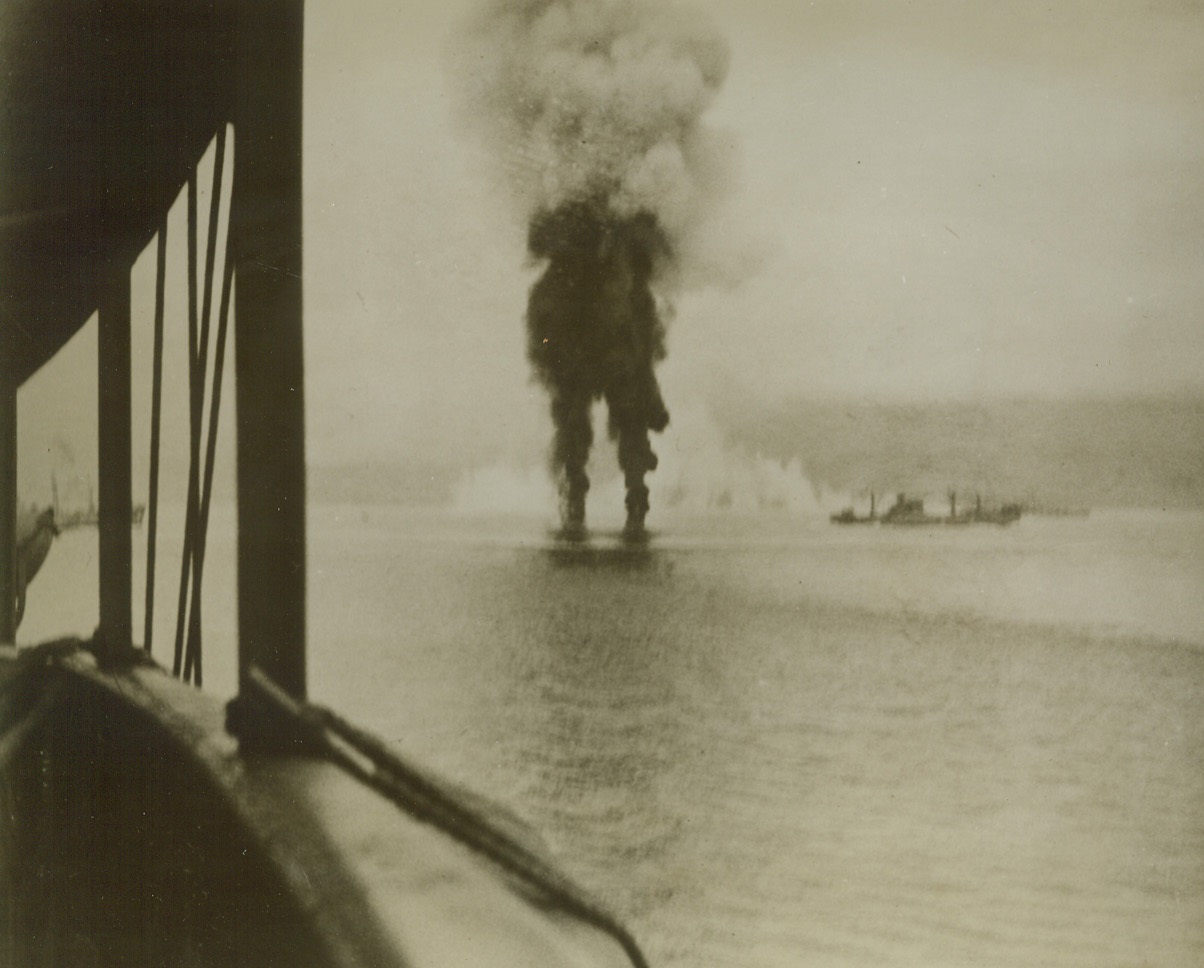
(593, 109)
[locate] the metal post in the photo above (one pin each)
(8, 509)
(113, 407)
(265, 226)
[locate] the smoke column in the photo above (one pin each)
(593, 108)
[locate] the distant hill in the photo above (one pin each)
(1146, 451)
(1130, 452)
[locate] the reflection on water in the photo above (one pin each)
(775, 749)
(589, 555)
(789, 743)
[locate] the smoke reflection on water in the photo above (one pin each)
(776, 742)
(761, 759)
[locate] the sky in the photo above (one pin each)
(930, 200)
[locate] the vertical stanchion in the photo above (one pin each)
(8, 509)
(113, 407)
(265, 223)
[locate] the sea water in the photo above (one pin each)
(771, 741)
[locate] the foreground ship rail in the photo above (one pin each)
(142, 821)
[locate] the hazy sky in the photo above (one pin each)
(934, 199)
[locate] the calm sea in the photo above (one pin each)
(772, 741)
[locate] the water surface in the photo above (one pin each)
(772, 741)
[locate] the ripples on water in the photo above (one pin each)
(785, 743)
(781, 745)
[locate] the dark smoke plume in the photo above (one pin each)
(593, 108)
(594, 332)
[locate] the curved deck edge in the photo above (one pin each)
(140, 832)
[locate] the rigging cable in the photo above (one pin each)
(156, 422)
(189, 611)
(192, 650)
(215, 406)
(368, 759)
(194, 418)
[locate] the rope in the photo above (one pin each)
(194, 431)
(215, 407)
(365, 757)
(192, 652)
(156, 422)
(188, 616)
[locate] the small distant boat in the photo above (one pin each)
(910, 511)
(89, 516)
(36, 531)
